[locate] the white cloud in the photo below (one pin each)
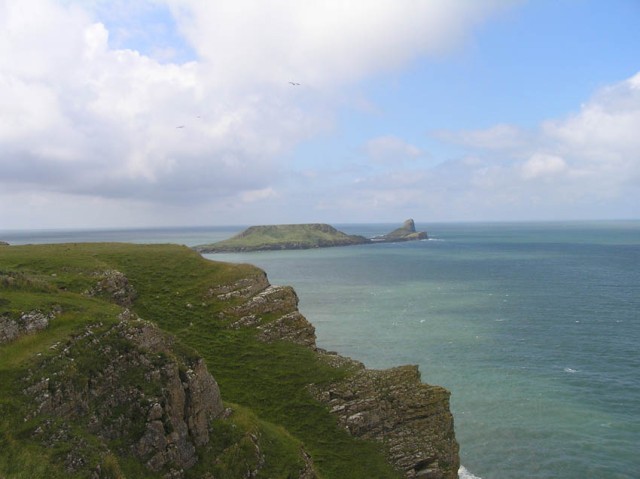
(251, 196)
(583, 166)
(390, 149)
(586, 165)
(604, 133)
(541, 165)
(89, 109)
(323, 43)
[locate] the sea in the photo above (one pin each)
(533, 327)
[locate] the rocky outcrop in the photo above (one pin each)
(411, 419)
(178, 420)
(4, 243)
(29, 322)
(244, 288)
(131, 391)
(115, 286)
(292, 327)
(394, 407)
(136, 390)
(407, 232)
(273, 310)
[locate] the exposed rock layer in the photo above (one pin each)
(29, 322)
(394, 407)
(135, 388)
(141, 393)
(114, 286)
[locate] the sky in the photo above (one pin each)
(238, 112)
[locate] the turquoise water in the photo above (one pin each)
(534, 329)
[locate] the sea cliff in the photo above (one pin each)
(149, 361)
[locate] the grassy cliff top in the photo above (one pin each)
(83, 291)
(276, 237)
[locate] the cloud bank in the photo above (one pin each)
(89, 115)
(201, 125)
(583, 166)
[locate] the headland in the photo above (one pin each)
(304, 236)
(121, 360)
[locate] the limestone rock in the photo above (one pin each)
(394, 407)
(29, 322)
(272, 299)
(243, 288)
(139, 390)
(273, 310)
(292, 327)
(115, 286)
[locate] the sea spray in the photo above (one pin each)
(464, 474)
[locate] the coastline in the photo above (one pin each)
(455, 348)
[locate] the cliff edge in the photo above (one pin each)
(149, 361)
(411, 419)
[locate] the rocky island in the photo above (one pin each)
(303, 236)
(407, 232)
(148, 361)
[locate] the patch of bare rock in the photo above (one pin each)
(27, 323)
(394, 407)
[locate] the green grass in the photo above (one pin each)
(265, 383)
(284, 237)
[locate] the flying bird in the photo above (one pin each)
(294, 83)
(181, 126)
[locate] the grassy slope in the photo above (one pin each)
(284, 237)
(265, 381)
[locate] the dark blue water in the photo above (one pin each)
(534, 328)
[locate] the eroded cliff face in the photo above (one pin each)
(131, 387)
(394, 407)
(410, 418)
(272, 310)
(130, 384)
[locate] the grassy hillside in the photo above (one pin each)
(264, 383)
(271, 237)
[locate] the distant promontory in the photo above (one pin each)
(407, 232)
(303, 236)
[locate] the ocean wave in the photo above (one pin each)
(463, 473)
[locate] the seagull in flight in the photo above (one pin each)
(181, 126)
(294, 83)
